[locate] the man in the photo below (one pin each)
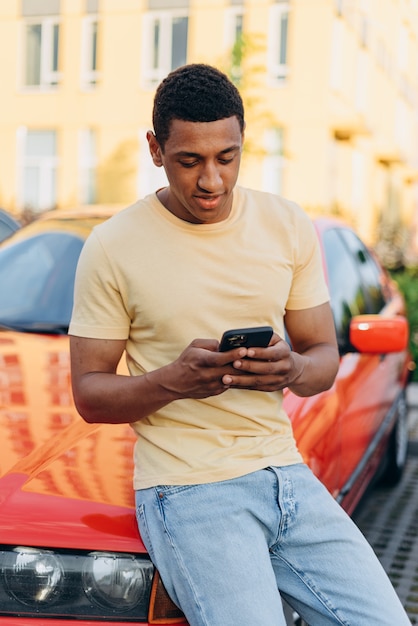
(225, 506)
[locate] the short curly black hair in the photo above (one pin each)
(195, 93)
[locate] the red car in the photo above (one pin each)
(69, 543)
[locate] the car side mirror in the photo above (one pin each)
(376, 334)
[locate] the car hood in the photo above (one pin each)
(63, 483)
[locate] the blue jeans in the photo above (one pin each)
(224, 549)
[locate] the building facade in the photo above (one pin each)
(330, 88)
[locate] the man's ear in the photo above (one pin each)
(154, 148)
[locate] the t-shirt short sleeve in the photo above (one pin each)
(309, 288)
(101, 315)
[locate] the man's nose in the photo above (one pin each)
(209, 177)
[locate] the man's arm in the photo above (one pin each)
(315, 349)
(103, 395)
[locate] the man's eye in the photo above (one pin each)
(188, 163)
(226, 161)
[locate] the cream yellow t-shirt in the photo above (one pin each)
(159, 282)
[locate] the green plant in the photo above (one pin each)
(407, 281)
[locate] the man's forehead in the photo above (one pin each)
(186, 136)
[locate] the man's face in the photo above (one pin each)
(201, 160)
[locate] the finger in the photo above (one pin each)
(206, 344)
(271, 367)
(222, 358)
(255, 382)
(275, 352)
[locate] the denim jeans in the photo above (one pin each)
(224, 549)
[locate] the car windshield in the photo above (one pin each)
(36, 282)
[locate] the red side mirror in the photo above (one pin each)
(376, 334)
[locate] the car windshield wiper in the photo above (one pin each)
(43, 328)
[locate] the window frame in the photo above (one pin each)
(87, 165)
(154, 73)
(47, 172)
(337, 55)
(231, 30)
(89, 74)
(278, 69)
(234, 33)
(274, 160)
(49, 74)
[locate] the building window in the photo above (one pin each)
(164, 43)
(365, 30)
(403, 44)
(278, 41)
(89, 73)
(339, 6)
(402, 126)
(234, 24)
(38, 169)
(234, 21)
(359, 166)
(362, 81)
(87, 166)
(273, 161)
(337, 55)
(41, 48)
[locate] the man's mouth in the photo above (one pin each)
(208, 202)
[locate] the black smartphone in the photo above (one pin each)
(257, 337)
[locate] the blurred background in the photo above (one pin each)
(330, 89)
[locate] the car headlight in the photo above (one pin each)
(34, 577)
(95, 585)
(115, 581)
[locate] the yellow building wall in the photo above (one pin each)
(342, 151)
